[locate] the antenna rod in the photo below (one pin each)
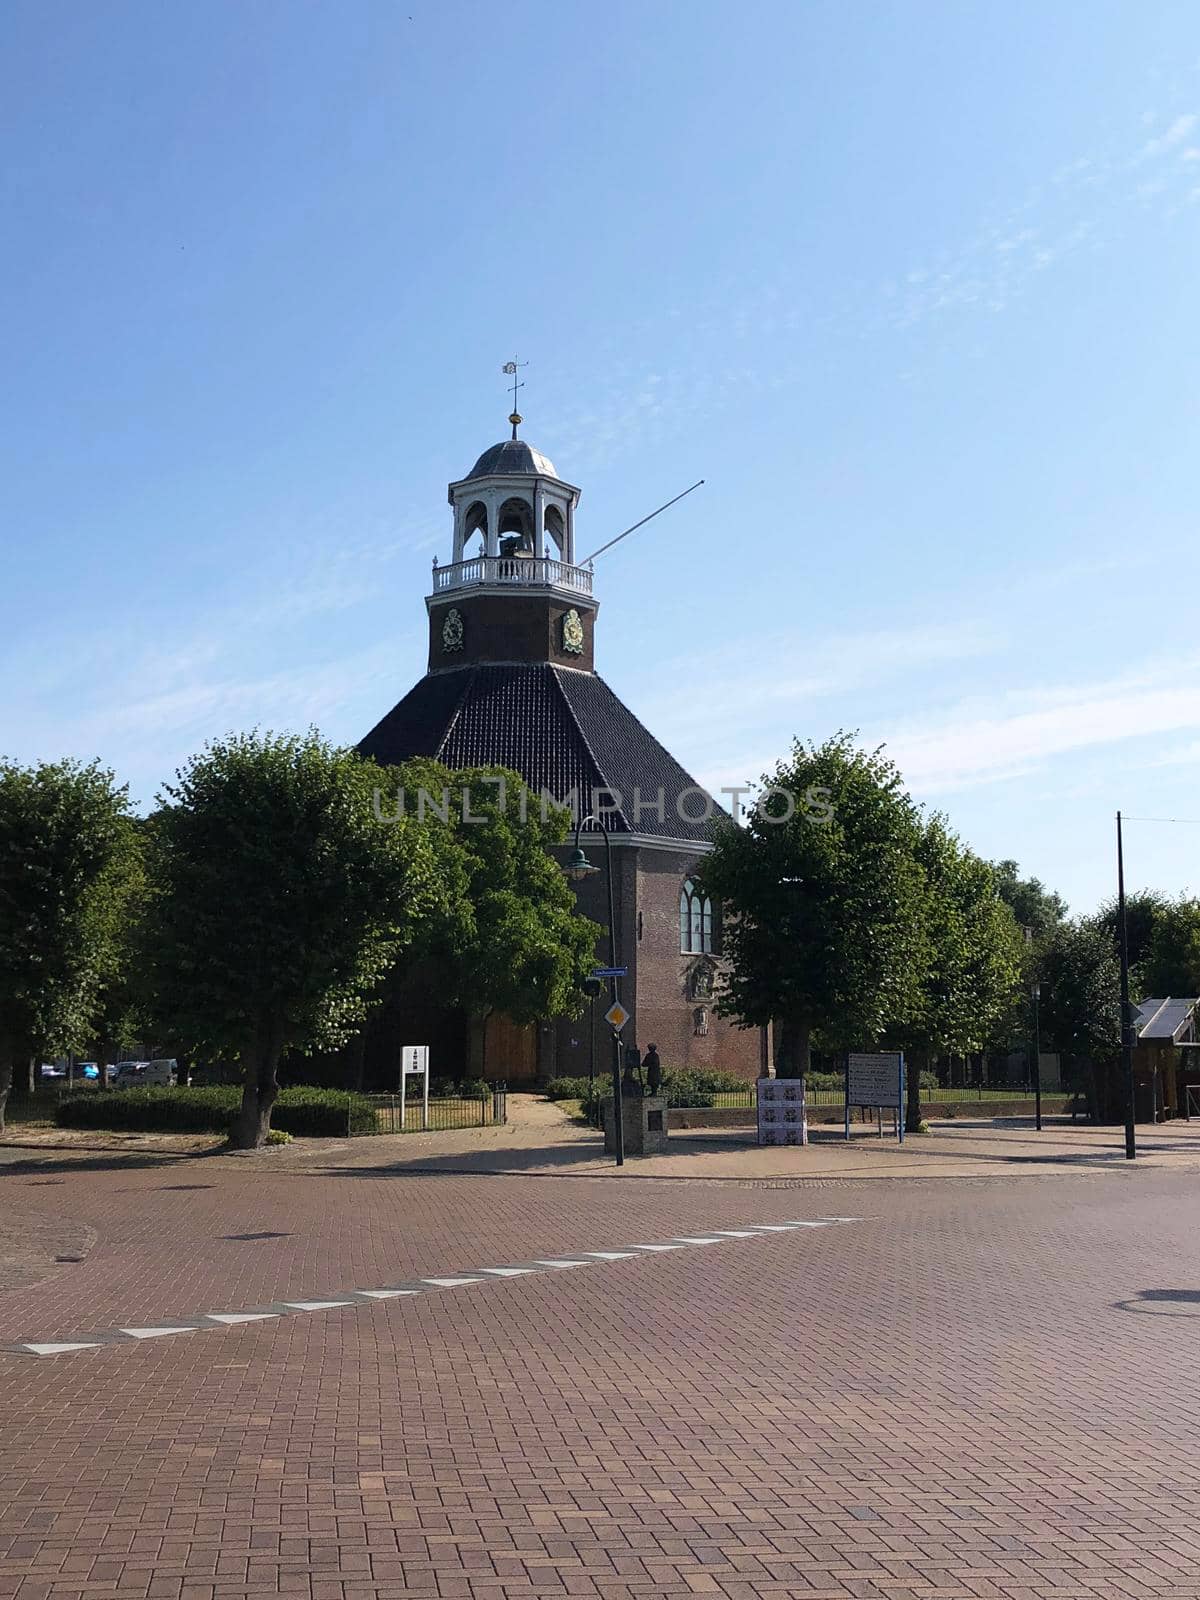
(637, 525)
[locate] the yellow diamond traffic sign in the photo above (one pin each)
(616, 1016)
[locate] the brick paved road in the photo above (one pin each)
(982, 1389)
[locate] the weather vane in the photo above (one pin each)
(510, 370)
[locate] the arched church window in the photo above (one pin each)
(696, 921)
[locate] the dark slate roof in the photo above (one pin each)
(561, 730)
(512, 455)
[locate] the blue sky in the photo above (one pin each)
(913, 287)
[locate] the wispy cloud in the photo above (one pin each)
(755, 332)
(991, 739)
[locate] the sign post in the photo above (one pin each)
(414, 1058)
(876, 1079)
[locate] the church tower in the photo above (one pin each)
(512, 682)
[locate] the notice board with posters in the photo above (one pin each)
(875, 1078)
(782, 1117)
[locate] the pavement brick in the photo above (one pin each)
(980, 1390)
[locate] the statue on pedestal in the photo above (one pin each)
(652, 1067)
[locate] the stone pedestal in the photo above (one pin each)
(645, 1121)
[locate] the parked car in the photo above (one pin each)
(146, 1074)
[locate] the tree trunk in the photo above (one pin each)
(103, 1051)
(260, 1091)
(356, 1058)
(6, 1077)
(794, 1058)
(914, 1063)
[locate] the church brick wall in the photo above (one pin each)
(496, 629)
(658, 988)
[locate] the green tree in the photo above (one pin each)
(279, 899)
(1144, 910)
(1171, 960)
(1081, 1002)
(972, 959)
(822, 911)
(1033, 905)
(67, 852)
(509, 937)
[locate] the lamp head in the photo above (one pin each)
(579, 867)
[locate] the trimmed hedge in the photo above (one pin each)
(301, 1110)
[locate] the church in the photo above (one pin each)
(512, 682)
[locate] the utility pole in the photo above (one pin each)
(1126, 1021)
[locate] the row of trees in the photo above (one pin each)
(267, 905)
(273, 899)
(878, 926)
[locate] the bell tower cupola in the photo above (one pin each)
(513, 590)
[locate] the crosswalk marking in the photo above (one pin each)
(233, 1317)
(586, 1258)
(156, 1333)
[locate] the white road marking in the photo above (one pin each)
(61, 1349)
(586, 1258)
(232, 1317)
(154, 1333)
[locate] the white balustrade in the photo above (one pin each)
(530, 571)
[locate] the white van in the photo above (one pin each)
(147, 1074)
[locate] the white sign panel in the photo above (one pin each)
(414, 1059)
(782, 1116)
(873, 1079)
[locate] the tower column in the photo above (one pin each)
(539, 519)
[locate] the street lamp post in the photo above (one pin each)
(578, 868)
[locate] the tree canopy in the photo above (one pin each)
(822, 911)
(970, 958)
(279, 899)
(68, 861)
(508, 937)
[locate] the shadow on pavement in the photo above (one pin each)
(1151, 1302)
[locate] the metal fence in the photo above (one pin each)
(746, 1098)
(458, 1111)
